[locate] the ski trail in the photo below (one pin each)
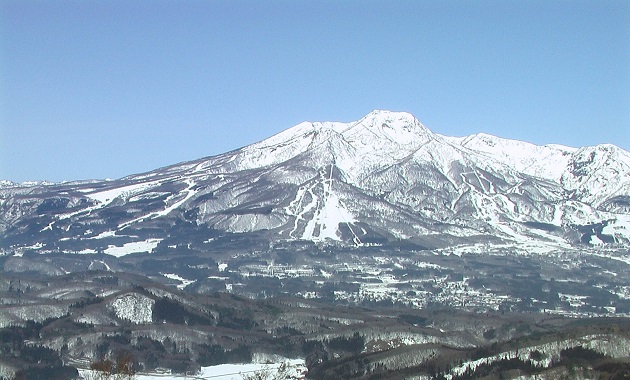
(309, 229)
(168, 209)
(295, 205)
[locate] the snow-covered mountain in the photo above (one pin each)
(385, 179)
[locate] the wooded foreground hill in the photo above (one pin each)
(51, 325)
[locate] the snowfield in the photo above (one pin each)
(295, 370)
(133, 247)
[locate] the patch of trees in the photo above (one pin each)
(490, 334)
(483, 351)
(52, 204)
(147, 344)
(86, 302)
(40, 354)
(288, 345)
(314, 352)
(150, 351)
(234, 319)
(47, 373)
(288, 331)
(536, 355)
(580, 354)
(264, 287)
(121, 339)
(147, 354)
(34, 361)
(498, 367)
(16, 335)
(124, 366)
(414, 320)
(106, 280)
(354, 344)
(542, 226)
(168, 310)
(345, 367)
(113, 216)
(349, 361)
(184, 230)
(214, 354)
(571, 358)
(613, 369)
(113, 343)
(179, 363)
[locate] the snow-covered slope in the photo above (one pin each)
(380, 180)
(593, 174)
(548, 161)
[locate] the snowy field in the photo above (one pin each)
(295, 370)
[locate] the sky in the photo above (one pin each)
(104, 89)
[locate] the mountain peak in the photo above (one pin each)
(389, 114)
(391, 119)
(396, 127)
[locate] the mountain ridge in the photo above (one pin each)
(383, 178)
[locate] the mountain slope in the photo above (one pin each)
(384, 179)
(586, 172)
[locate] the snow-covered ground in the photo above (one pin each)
(133, 247)
(295, 370)
(109, 195)
(184, 282)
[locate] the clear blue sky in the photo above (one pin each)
(98, 89)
